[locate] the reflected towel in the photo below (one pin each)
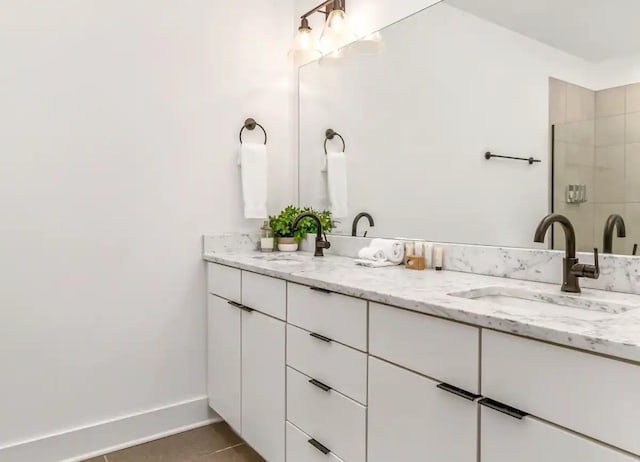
(253, 162)
(337, 184)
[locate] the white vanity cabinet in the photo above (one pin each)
(506, 439)
(427, 412)
(246, 357)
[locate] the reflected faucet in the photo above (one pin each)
(321, 243)
(360, 216)
(572, 269)
(614, 221)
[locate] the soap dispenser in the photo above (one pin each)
(266, 241)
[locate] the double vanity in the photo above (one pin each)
(315, 359)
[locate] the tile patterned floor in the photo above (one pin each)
(213, 443)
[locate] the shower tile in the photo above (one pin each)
(581, 103)
(576, 132)
(633, 98)
(557, 101)
(610, 131)
(633, 128)
(610, 102)
(632, 173)
(609, 175)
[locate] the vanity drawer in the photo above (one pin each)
(443, 350)
(299, 449)
(342, 368)
(336, 421)
(338, 317)
(224, 282)
(265, 294)
(589, 394)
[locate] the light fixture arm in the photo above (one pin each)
(330, 6)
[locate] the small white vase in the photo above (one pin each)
(287, 244)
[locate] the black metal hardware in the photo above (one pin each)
(247, 309)
(458, 391)
(321, 337)
(635, 250)
(331, 134)
(318, 289)
(320, 385)
(323, 449)
(235, 304)
(488, 155)
(500, 407)
(251, 124)
(587, 271)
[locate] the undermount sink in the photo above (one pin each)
(588, 306)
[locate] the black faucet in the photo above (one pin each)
(614, 221)
(572, 269)
(361, 215)
(320, 242)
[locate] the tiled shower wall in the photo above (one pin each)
(597, 143)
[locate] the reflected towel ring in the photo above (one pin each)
(329, 135)
(251, 124)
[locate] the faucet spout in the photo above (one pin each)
(569, 232)
(356, 220)
(321, 243)
(614, 221)
(572, 269)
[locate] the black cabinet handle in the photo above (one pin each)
(323, 449)
(458, 391)
(500, 407)
(247, 309)
(318, 289)
(321, 337)
(320, 385)
(234, 304)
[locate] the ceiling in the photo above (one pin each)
(596, 30)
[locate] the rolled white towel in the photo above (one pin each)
(393, 250)
(374, 264)
(369, 253)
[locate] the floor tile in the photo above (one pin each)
(241, 453)
(182, 447)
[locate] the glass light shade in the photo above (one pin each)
(371, 44)
(337, 32)
(305, 47)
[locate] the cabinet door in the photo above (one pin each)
(223, 364)
(263, 384)
(410, 419)
(505, 439)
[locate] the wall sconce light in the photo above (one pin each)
(336, 34)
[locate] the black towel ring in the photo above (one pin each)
(251, 124)
(329, 135)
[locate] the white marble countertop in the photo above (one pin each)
(429, 292)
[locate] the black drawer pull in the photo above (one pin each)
(508, 410)
(320, 385)
(234, 304)
(247, 309)
(458, 391)
(323, 449)
(318, 289)
(321, 337)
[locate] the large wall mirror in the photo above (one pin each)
(553, 80)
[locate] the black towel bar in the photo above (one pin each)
(531, 160)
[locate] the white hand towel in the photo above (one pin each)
(253, 162)
(374, 264)
(369, 253)
(337, 184)
(393, 250)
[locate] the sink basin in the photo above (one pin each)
(590, 305)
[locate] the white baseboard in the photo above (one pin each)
(94, 440)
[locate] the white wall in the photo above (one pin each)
(118, 126)
(418, 118)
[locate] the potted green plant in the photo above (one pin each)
(289, 237)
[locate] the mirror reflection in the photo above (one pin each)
(463, 78)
